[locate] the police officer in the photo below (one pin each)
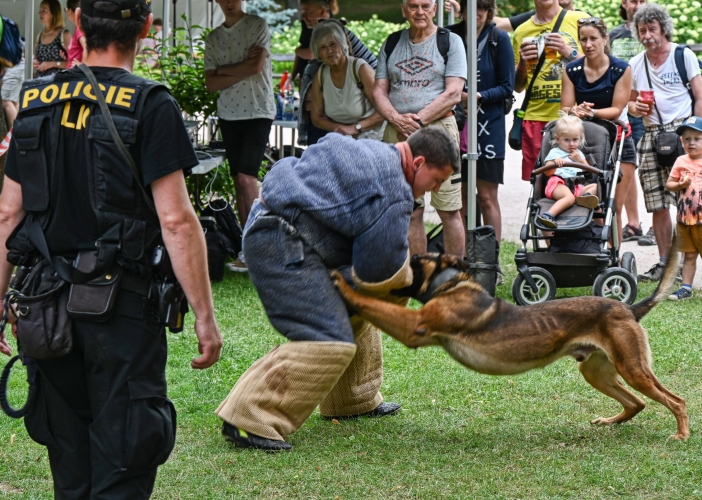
(343, 203)
(101, 410)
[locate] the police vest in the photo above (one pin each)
(68, 100)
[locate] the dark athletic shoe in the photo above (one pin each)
(653, 274)
(681, 294)
(243, 439)
(383, 409)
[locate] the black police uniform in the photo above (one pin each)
(101, 410)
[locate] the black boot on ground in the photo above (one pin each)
(383, 409)
(243, 439)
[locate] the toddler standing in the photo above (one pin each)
(686, 177)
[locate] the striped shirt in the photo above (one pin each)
(359, 49)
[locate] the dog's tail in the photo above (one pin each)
(641, 309)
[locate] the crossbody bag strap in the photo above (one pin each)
(541, 62)
(115, 135)
(650, 85)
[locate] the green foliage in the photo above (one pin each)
(374, 31)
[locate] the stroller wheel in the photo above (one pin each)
(522, 292)
(616, 284)
(629, 263)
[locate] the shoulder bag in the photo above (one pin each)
(667, 145)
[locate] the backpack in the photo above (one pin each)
(11, 44)
(443, 43)
(227, 224)
(680, 65)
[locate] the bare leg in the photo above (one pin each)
(663, 229)
(454, 233)
(621, 195)
(417, 233)
(246, 193)
(689, 267)
(564, 200)
(464, 209)
(490, 206)
(631, 203)
(600, 373)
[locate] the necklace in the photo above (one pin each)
(47, 33)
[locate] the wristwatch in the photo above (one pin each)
(572, 56)
(359, 128)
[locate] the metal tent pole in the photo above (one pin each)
(472, 110)
(28, 39)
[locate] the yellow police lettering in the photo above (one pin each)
(110, 94)
(82, 116)
(29, 96)
(79, 85)
(88, 92)
(124, 96)
(64, 91)
(49, 94)
(65, 116)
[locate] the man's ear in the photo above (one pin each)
(417, 162)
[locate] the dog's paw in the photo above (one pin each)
(680, 437)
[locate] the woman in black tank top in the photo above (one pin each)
(50, 54)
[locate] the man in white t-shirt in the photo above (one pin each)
(655, 69)
(238, 64)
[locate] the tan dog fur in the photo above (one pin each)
(495, 337)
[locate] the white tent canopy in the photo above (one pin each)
(207, 13)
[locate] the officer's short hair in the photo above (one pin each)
(437, 146)
(100, 33)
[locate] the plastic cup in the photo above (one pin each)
(647, 98)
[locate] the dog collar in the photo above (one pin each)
(440, 279)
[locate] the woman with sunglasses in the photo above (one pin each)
(50, 55)
(599, 86)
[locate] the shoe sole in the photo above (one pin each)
(548, 223)
(646, 243)
(631, 238)
(238, 269)
(675, 297)
(587, 201)
(243, 445)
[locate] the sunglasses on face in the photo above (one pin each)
(589, 20)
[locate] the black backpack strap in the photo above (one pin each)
(443, 42)
(682, 71)
(391, 43)
(493, 38)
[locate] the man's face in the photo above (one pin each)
(542, 5)
(230, 7)
(312, 13)
(631, 6)
(651, 35)
(419, 13)
(428, 177)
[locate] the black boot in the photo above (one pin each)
(243, 439)
(383, 409)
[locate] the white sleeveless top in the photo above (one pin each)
(347, 105)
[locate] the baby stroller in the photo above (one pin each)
(579, 253)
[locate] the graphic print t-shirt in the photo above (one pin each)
(624, 45)
(417, 72)
(545, 99)
(689, 202)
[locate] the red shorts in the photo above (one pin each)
(531, 145)
(553, 183)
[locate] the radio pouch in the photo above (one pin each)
(44, 328)
(94, 300)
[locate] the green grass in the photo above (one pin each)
(460, 434)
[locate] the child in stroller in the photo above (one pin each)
(569, 134)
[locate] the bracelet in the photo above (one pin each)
(58, 64)
(420, 122)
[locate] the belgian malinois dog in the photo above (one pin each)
(492, 336)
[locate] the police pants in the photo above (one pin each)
(102, 410)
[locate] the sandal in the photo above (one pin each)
(631, 233)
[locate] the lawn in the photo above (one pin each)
(460, 434)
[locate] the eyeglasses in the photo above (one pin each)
(589, 20)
